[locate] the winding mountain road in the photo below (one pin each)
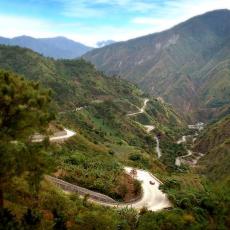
(152, 197)
(141, 110)
(149, 128)
(196, 156)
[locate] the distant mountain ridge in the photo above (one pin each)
(57, 47)
(187, 65)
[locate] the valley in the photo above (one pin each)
(134, 135)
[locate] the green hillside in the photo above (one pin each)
(188, 65)
(214, 142)
(74, 83)
(106, 139)
(102, 122)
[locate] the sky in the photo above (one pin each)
(89, 21)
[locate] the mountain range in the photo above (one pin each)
(57, 47)
(187, 65)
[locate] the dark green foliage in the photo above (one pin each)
(130, 216)
(139, 160)
(24, 111)
(171, 151)
(96, 220)
(8, 220)
(31, 219)
(135, 157)
(170, 184)
(59, 221)
(214, 142)
(24, 107)
(96, 172)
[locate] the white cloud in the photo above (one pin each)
(88, 9)
(16, 25)
(188, 8)
(12, 26)
(176, 11)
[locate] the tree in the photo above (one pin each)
(130, 215)
(31, 219)
(59, 220)
(25, 109)
(8, 220)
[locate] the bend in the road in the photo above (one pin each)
(152, 197)
(141, 110)
(58, 136)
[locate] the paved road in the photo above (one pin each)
(179, 160)
(58, 136)
(152, 197)
(182, 140)
(69, 133)
(158, 150)
(195, 156)
(141, 110)
(149, 128)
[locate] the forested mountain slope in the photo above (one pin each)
(214, 142)
(188, 65)
(96, 105)
(106, 139)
